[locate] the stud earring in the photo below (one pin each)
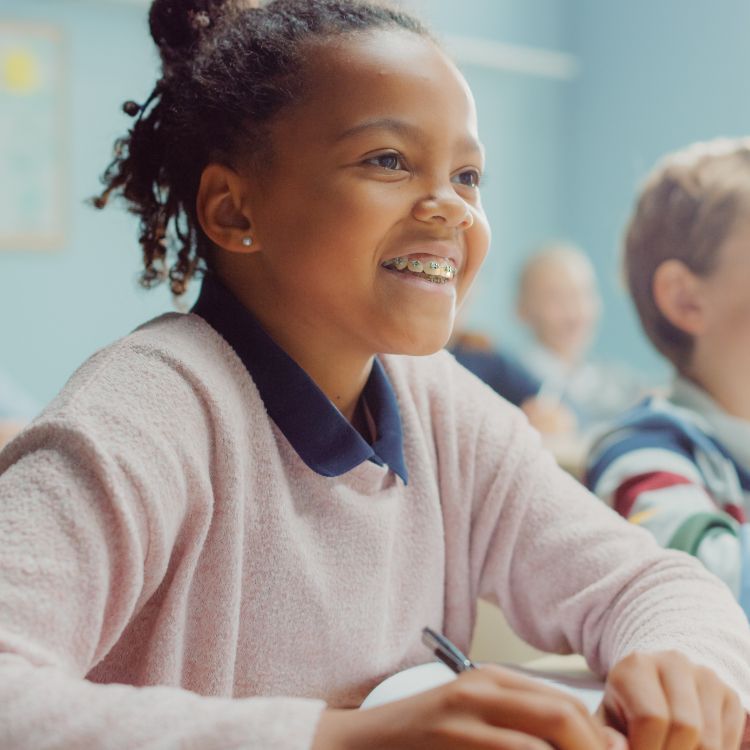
(247, 241)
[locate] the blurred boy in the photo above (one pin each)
(680, 465)
(559, 301)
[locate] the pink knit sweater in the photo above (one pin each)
(172, 575)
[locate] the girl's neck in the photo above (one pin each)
(340, 372)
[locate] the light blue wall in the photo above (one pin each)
(536, 23)
(656, 75)
(564, 158)
(58, 307)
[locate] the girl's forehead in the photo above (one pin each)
(386, 71)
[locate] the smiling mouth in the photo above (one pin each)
(436, 271)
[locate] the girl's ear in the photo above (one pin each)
(678, 293)
(223, 210)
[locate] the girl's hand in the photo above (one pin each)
(663, 701)
(483, 709)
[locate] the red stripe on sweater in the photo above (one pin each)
(628, 492)
(736, 512)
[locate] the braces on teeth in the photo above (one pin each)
(438, 273)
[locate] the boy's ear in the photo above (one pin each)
(223, 209)
(678, 294)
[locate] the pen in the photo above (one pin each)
(446, 651)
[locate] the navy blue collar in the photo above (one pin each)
(322, 437)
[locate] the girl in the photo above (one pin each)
(266, 497)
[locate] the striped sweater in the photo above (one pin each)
(679, 466)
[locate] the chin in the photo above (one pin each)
(421, 347)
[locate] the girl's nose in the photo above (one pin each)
(444, 208)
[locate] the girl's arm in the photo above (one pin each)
(85, 539)
(571, 575)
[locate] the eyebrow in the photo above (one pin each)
(403, 128)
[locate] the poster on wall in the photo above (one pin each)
(32, 137)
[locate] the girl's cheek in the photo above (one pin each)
(483, 233)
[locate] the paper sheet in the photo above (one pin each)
(431, 675)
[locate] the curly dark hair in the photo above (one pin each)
(227, 68)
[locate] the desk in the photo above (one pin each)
(573, 665)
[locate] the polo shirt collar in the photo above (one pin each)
(322, 437)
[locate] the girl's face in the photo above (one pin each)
(380, 161)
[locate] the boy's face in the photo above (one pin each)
(561, 305)
(726, 304)
(380, 160)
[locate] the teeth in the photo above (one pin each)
(433, 270)
(445, 270)
(442, 270)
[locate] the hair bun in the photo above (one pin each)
(177, 26)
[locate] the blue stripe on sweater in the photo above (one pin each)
(647, 427)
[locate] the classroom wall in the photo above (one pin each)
(564, 156)
(655, 76)
(58, 307)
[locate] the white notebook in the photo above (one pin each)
(426, 676)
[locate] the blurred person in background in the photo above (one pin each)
(507, 376)
(16, 408)
(559, 301)
(500, 370)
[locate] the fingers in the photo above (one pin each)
(614, 740)
(685, 710)
(745, 742)
(491, 738)
(665, 702)
(531, 708)
(512, 679)
(519, 681)
(733, 718)
(635, 693)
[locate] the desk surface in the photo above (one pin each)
(573, 665)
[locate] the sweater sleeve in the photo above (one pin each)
(86, 537)
(573, 576)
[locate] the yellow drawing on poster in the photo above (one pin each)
(19, 72)
(33, 137)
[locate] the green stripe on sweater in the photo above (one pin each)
(690, 535)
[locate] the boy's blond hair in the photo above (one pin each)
(687, 208)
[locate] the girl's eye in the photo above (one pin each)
(392, 162)
(469, 177)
